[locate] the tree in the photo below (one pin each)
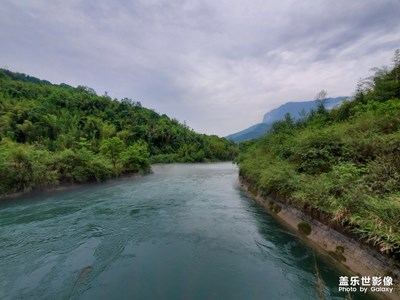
(321, 95)
(396, 58)
(289, 120)
(112, 148)
(321, 100)
(136, 157)
(396, 62)
(72, 134)
(285, 126)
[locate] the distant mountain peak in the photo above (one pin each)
(294, 108)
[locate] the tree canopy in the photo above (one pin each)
(51, 134)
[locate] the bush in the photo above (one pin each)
(82, 166)
(304, 227)
(317, 151)
(136, 158)
(278, 179)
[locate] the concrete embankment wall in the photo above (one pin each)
(358, 258)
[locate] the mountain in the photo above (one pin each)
(253, 132)
(297, 110)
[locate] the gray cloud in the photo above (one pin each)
(219, 65)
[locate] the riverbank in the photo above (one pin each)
(355, 256)
(67, 186)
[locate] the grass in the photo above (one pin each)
(349, 171)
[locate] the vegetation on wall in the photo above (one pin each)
(51, 134)
(341, 166)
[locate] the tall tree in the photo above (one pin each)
(321, 101)
(112, 148)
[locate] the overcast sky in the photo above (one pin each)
(218, 65)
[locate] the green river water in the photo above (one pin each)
(184, 232)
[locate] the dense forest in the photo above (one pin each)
(340, 166)
(52, 134)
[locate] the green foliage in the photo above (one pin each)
(23, 167)
(275, 208)
(304, 227)
(81, 166)
(316, 151)
(112, 148)
(51, 134)
(343, 164)
(136, 158)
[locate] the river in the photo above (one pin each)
(184, 232)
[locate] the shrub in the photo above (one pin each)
(304, 227)
(136, 158)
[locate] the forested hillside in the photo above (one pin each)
(340, 166)
(50, 134)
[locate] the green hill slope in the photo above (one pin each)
(51, 134)
(341, 166)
